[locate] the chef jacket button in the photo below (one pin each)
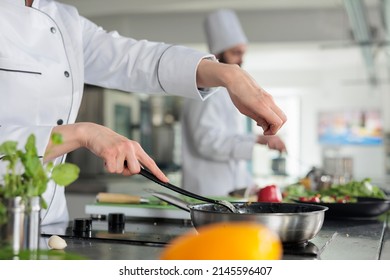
(60, 121)
(66, 73)
(53, 30)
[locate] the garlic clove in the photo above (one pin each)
(56, 242)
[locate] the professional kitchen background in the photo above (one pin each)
(321, 60)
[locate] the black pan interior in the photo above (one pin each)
(261, 207)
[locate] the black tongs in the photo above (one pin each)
(144, 172)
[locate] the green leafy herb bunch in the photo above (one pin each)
(27, 176)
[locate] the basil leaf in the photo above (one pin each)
(65, 173)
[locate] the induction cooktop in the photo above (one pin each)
(154, 232)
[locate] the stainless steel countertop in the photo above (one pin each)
(144, 239)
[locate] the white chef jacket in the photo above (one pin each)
(49, 51)
(215, 146)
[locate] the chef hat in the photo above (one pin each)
(223, 31)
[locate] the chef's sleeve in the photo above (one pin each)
(118, 62)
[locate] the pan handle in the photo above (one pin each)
(173, 200)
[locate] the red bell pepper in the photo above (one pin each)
(270, 193)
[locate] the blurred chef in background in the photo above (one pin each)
(216, 146)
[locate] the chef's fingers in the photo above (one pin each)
(116, 149)
(149, 163)
(260, 106)
(114, 154)
(275, 143)
(281, 148)
(110, 165)
(142, 158)
(120, 151)
(269, 120)
(120, 159)
(280, 115)
(265, 117)
(271, 117)
(130, 162)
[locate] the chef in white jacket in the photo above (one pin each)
(48, 51)
(216, 146)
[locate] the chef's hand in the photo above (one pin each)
(249, 98)
(273, 142)
(112, 147)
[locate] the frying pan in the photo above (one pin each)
(295, 223)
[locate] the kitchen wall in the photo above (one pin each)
(304, 55)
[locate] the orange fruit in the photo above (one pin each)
(226, 241)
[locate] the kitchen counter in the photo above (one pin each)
(144, 239)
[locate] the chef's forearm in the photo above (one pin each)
(72, 139)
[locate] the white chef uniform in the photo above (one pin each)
(215, 145)
(49, 51)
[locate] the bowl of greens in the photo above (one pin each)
(354, 199)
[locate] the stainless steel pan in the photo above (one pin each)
(295, 223)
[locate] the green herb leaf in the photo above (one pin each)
(43, 203)
(65, 174)
(56, 138)
(8, 148)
